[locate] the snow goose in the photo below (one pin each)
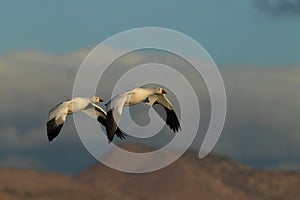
(58, 114)
(150, 96)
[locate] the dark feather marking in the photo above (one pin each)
(102, 118)
(171, 118)
(111, 125)
(52, 129)
(118, 132)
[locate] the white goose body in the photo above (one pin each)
(70, 106)
(131, 97)
(77, 104)
(149, 96)
(58, 114)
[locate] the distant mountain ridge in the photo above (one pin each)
(211, 178)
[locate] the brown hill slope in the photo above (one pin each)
(212, 178)
(20, 184)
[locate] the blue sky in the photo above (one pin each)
(233, 32)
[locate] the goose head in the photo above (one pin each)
(96, 99)
(160, 90)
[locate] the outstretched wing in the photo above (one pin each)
(56, 119)
(115, 108)
(96, 112)
(171, 118)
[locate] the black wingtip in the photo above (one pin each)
(173, 121)
(50, 139)
(54, 132)
(111, 126)
(120, 134)
(52, 129)
(169, 116)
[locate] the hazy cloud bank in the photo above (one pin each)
(262, 126)
(279, 8)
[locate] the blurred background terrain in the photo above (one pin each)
(213, 178)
